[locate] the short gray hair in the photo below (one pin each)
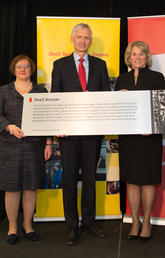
(81, 26)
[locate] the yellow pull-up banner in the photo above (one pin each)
(53, 42)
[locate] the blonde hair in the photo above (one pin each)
(143, 47)
(16, 59)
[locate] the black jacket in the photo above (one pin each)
(65, 76)
(11, 105)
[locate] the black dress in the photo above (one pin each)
(140, 156)
(21, 160)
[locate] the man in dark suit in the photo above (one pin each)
(80, 151)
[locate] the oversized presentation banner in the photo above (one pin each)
(53, 42)
(152, 31)
(94, 113)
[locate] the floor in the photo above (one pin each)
(52, 236)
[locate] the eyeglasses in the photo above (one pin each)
(26, 66)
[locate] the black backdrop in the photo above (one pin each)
(18, 22)
(18, 26)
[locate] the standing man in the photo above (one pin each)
(77, 73)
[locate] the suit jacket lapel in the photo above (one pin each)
(73, 70)
(91, 69)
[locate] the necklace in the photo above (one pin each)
(23, 89)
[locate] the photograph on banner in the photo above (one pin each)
(53, 171)
(158, 100)
(112, 165)
(53, 42)
(113, 187)
(112, 146)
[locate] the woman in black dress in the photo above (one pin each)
(21, 158)
(140, 156)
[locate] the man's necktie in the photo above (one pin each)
(81, 72)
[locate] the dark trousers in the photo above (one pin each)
(79, 152)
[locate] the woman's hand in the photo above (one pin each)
(48, 151)
(16, 131)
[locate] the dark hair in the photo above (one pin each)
(16, 59)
